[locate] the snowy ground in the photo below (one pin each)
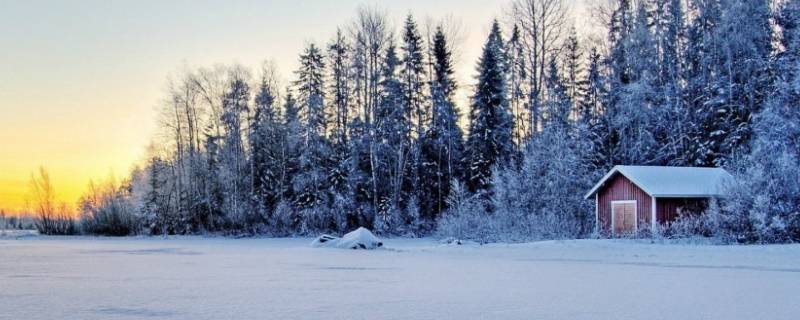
(194, 278)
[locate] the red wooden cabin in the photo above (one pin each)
(630, 198)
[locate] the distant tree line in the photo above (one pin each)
(369, 132)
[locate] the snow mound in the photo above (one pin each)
(16, 234)
(450, 241)
(358, 239)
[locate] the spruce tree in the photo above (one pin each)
(392, 148)
(730, 77)
(339, 56)
(415, 101)
(443, 146)
(266, 144)
(591, 101)
(489, 143)
(233, 169)
(285, 219)
(558, 104)
(764, 201)
(311, 183)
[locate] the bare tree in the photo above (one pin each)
(371, 33)
(51, 217)
(542, 24)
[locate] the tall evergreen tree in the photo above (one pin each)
(266, 148)
(766, 197)
(285, 219)
(392, 149)
(339, 52)
(413, 75)
(443, 146)
(340, 60)
(730, 75)
(558, 104)
(415, 101)
(632, 97)
(574, 82)
(489, 143)
(591, 101)
(233, 173)
(311, 182)
(619, 29)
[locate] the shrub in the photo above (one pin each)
(108, 210)
(467, 218)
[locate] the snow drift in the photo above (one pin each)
(358, 239)
(15, 234)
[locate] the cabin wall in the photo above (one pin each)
(619, 188)
(667, 209)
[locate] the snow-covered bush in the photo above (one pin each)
(467, 217)
(414, 224)
(763, 204)
(342, 208)
(543, 199)
(283, 219)
(112, 218)
(693, 225)
(108, 210)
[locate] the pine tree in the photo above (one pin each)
(558, 104)
(670, 37)
(619, 29)
(266, 146)
(573, 67)
(156, 207)
(443, 146)
(285, 218)
(489, 143)
(392, 148)
(339, 57)
(415, 101)
(766, 196)
(413, 76)
(233, 169)
(730, 75)
(632, 97)
(673, 127)
(591, 101)
(214, 190)
(311, 183)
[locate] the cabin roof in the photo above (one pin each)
(671, 182)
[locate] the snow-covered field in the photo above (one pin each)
(200, 278)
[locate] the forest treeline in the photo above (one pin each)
(369, 133)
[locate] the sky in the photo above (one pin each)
(80, 80)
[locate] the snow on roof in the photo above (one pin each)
(672, 182)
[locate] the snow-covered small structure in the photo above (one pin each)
(361, 238)
(628, 198)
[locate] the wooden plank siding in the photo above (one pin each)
(667, 208)
(619, 188)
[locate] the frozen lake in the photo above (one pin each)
(200, 278)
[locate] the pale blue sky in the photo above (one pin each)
(79, 80)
